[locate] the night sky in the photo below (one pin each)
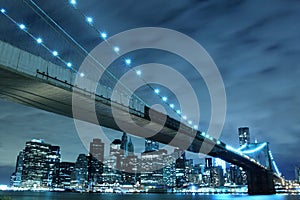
(255, 44)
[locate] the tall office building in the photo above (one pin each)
(124, 144)
(95, 162)
(151, 145)
(62, 178)
(130, 148)
(80, 173)
(16, 178)
(116, 153)
(297, 174)
(54, 157)
(39, 162)
(180, 167)
(97, 149)
(216, 176)
(244, 135)
(221, 163)
(208, 163)
(169, 170)
(152, 164)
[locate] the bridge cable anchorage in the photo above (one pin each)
(128, 62)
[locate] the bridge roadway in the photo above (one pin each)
(36, 87)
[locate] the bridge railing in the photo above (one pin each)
(37, 67)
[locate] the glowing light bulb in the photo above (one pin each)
(89, 20)
(178, 112)
(73, 2)
(156, 91)
(22, 26)
(164, 99)
(81, 74)
(190, 122)
(55, 53)
(184, 117)
(39, 40)
(172, 105)
(116, 49)
(128, 61)
(3, 10)
(195, 127)
(139, 72)
(104, 35)
(69, 64)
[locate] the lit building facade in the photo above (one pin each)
(151, 145)
(39, 163)
(244, 135)
(95, 162)
(152, 164)
(16, 178)
(63, 175)
(80, 174)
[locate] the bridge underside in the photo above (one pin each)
(42, 94)
(39, 93)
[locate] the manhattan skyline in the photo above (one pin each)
(254, 48)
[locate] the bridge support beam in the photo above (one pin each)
(260, 182)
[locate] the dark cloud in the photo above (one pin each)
(254, 43)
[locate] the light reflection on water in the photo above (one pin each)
(86, 196)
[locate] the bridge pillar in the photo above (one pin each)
(260, 182)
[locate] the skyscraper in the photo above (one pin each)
(130, 148)
(54, 160)
(244, 135)
(39, 161)
(97, 149)
(208, 163)
(151, 145)
(116, 153)
(63, 175)
(17, 175)
(80, 173)
(124, 144)
(180, 167)
(152, 164)
(95, 162)
(297, 174)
